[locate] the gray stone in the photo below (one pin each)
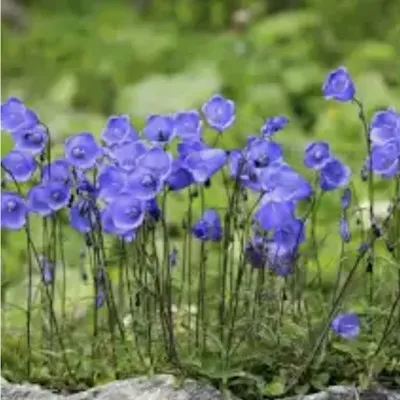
(164, 387)
(159, 387)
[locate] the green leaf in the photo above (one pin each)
(275, 388)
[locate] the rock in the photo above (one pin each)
(159, 387)
(164, 387)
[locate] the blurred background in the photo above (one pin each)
(76, 62)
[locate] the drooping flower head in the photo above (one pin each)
(180, 177)
(32, 140)
(144, 183)
(159, 128)
(205, 163)
(339, 86)
(20, 166)
(13, 211)
(272, 215)
(316, 155)
(261, 152)
(57, 171)
(119, 130)
(111, 181)
(334, 174)
(126, 155)
(15, 116)
(82, 216)
(208, 227)
(346, 325)
(127, 212)
(37, 200)
(82, 151)
(188, 125)
(219, 112)
(385, 159)
(273, 125)
(385, 126)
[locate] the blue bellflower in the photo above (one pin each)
(316, 155)
(58, 195)
(57, 171)
(20, 166)
(127, 212)
(144, 183)
(15, 116)
(82, 216)
(37, 201)
(344, 230)
(346, 199)
(82, 151)
(339, 86)
(111, 181)
(13, 211)
(119, 130)
(159, 128)
(219, 112)
(156, 160)
(208, 227)
(188, 125)
(273, 125)
(272, 215)
(32, 140)
(346, 325)
(385, 159)
(334, 174)
(261, 152)
(127, 155)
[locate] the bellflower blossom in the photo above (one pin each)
(15, 116)
(82, 151)
(208, 227)
(273, 125)
(188, 125)
(316, 155)
(220, 113)
(13, 211)
(119, 130)
(32, 140)
(21, 166)
(159, 128)
(346, 325)
(339, 86)
(334, 174)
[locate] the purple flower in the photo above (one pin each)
(241, 169)
(261, 152)
(339, 86)
(82, 216)
(144, 184)
(57, 195)
(385, 159)
(180, 177)
(119, 130)
(346, 199)
(159, 128)
(37, 200)
(289, 235)
(188, 125)
(19, 165)
(82, 150)
(385, 126)
(127, 212)
(204, 164)
(152, 209)
(334, 174)
(272, 215)
(346, 325)
(280, 259)
(256, 251)
(344, 230)
(281, 183)
(100, 298)
(108, 226)
(126, 155)
(219, 112)
(32, 140)
(156, 160)
(13, 211)
(273, 125)
(111, 182)
(208, 227)
(56, 171)
(15, 116)
(316, 155)
(186, 148)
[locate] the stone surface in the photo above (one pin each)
(163, 387)
(159, 387)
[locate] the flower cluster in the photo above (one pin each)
(113, 185)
